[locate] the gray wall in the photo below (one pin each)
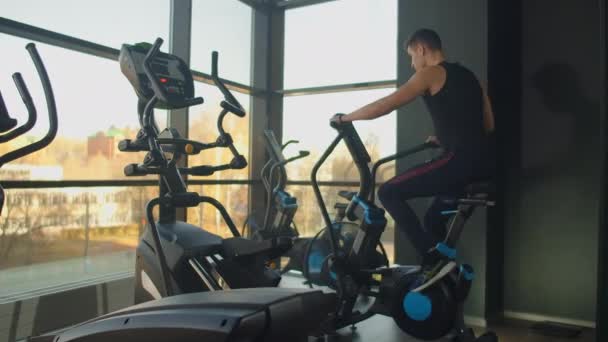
(463, 29)
(551, 225)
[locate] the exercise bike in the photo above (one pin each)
(281, 208)
(425, 308)
(280, 205)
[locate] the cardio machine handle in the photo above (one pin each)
(303, 154)
(289, 143)
(134, 170)
(233, 109)
(300, 155)
(282, 178)
(236, 163)
(360, 157)
(52, 111)
(9, 123)
(6, 122)
(230, 104)
(159, 91)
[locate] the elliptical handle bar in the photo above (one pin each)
(31, 111)
(6, 122)
(52, 111)
(161, 94)
(282, 174)
(289, 143)
(300, 155)
(230, 104)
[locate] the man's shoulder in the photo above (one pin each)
(432, 71)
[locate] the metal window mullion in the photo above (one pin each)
(291, 4)
(339, 88)
(21, 30)
(268, 30)
(179, 45)
(33, 184)
(234, 86)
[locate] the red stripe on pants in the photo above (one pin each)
(422, 169)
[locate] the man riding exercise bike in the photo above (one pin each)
(463, 120)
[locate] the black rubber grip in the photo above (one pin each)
(6, 122)
(128, 145)
(132, 170)
(232, 109)
(203, 170)
(182, 200)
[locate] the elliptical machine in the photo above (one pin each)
(174, 257)
(280, 205)
(241, 315)
(424, 308)
(8, 124)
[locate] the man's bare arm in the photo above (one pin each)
(417, 85)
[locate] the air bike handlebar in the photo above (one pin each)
(347, 133)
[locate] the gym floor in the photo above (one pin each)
(383, 329)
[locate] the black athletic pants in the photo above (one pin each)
(444, 176)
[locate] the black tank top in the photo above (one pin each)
(457, 112)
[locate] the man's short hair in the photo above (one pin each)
(426, 37)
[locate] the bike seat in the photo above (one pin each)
(238, 247)
(475, 194)
(347, 194)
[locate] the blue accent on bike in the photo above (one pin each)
(371, 215)
(286, 200)
(449, 212)
(446, 250)
(467, 272)
(315, 262)
(417, 306)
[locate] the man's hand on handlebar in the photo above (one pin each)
(337, 119)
